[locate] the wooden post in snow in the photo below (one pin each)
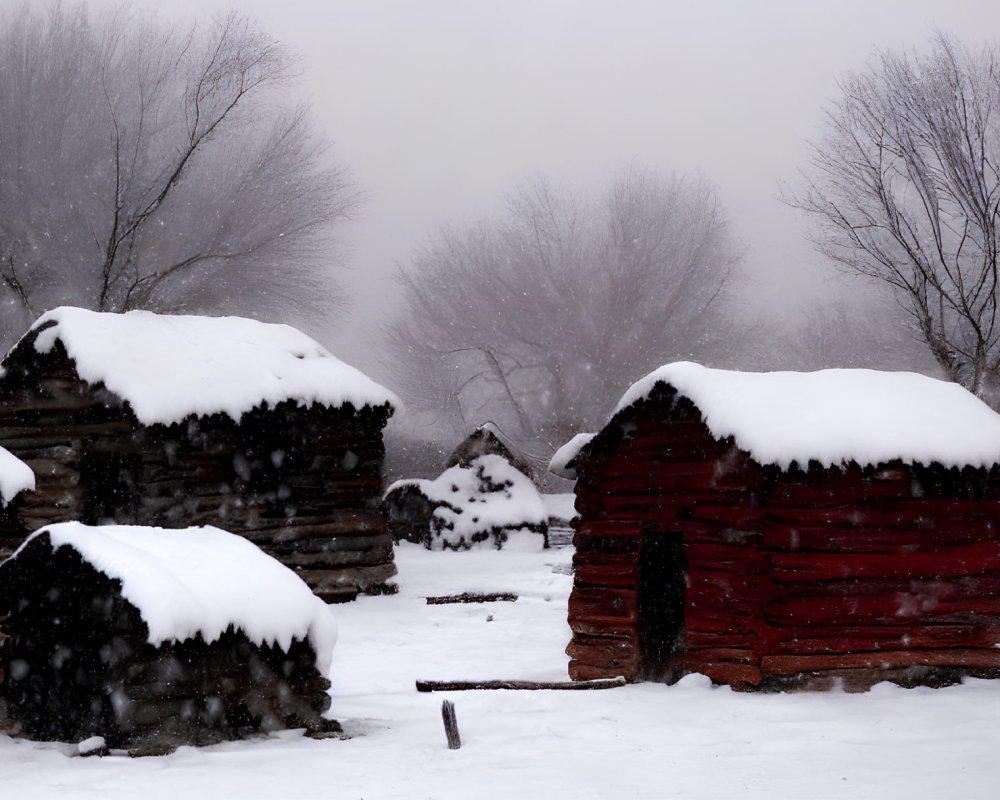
(450, 725)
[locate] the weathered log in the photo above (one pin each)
(335, 558)
(792, 538)
(461, 686)
(616, 605)
(712, 655)
(605, 569)
(619, 652)
(970, 658)
(930, 589)
(472, 597)
(361, 578)
(972, 559)
(450, 725)
(729, 672)
(900, 608)
(580, 672)
(907, 636)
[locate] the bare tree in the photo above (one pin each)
(540, 319)
(860, 330)
(146, 166)
(905, 190)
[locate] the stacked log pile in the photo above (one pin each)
(888, 571)
(303, 483)
(78, 664)
(44, 422)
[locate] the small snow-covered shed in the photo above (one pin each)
(152, 419)
(486, 503)
(153, 638)
(781, 529)
(16, 478)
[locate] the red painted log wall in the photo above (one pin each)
(789, 573)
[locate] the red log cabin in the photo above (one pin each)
(779, 530)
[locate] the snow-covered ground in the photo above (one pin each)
(643, 741)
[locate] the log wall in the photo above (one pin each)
(867, 573)
(304, 484)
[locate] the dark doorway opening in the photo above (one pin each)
(662, 565)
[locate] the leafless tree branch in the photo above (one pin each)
(905, 189)
(540, 318)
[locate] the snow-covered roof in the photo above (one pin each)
(833, 416)
(170, 366)
(560, 463)
(15, 476)
(202, 580)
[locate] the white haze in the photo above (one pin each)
(439, 107)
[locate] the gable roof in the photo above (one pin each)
(832, 416)
(170, 366)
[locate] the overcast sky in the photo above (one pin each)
(439, 107)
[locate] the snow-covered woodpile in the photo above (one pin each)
(486, 440)
(786, 528)
(408, 512)
(16, 478)
(154, 638)
(178, 420)
(487, 503)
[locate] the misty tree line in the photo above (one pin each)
(538, 319)
(145, 165)
(150, 166)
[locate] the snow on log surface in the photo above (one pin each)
(193, 581)
(473, 503)
(170, 366)
(831, 416)
(15, 476)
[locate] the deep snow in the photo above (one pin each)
(832, 416)
(193, 581)
(168, 366)
(643, 741)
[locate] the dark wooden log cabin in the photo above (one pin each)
(863, 545)
(177, 421)
(156, 638)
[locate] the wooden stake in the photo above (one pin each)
(450, 725)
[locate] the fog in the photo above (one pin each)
(439, 107)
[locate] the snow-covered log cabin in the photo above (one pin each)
(176, 421)
(154, 638)
(784, 529)
(16, 478)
